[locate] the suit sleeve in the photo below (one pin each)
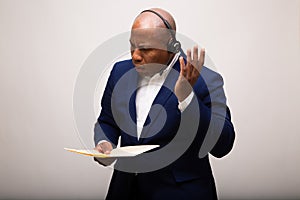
(221, 127)
(106, 127)
(215, 131)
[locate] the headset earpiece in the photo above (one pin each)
(174, 46)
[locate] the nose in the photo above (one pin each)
(136, 55)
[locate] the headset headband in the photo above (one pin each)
(173, 45)
(167, 24)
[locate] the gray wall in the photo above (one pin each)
(43, 44)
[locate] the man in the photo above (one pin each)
(159, 97)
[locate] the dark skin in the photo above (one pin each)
(149, 38)
(148, 51)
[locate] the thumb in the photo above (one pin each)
(106, 147)
(182, 66)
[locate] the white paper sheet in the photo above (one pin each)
(128, 151)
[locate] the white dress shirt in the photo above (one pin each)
(148, 88)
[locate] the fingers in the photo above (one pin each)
(189, 67)
(194, 62)
(182, 67)
(104, 147)
(191, 70)
(195, 53)
(202, 57)
(188, 54)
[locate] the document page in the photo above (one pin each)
(128, 151)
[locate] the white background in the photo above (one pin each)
(43, 44)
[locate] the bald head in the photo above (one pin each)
(151, 20)
(150, 41)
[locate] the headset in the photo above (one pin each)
(174, 45)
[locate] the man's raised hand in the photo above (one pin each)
(189, 73)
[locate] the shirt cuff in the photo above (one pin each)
(184, 104)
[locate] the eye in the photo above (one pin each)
(144, 48)
(141, 47)
(132, 46)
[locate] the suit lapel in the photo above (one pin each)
(131, 90)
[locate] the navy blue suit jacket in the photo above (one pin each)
(118, 120)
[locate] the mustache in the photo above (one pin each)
(148, 65)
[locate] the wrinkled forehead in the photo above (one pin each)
(150, 35)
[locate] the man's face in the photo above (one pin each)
(149, 50)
